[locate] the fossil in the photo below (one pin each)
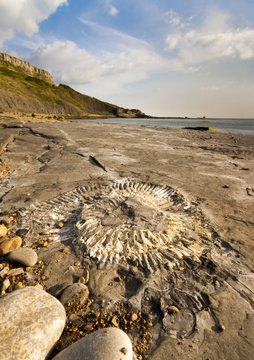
(124, 222)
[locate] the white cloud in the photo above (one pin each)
(113, 10)
(24, 16)
(76, 66)
(172, 18)
(213, 40)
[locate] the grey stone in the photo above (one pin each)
(104, 344)
(25, 256)
(76, 293)
(31, 323)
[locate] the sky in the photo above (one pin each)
(165, 57)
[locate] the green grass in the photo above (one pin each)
(16, 81)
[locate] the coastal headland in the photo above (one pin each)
(157, 223)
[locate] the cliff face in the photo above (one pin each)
(27, 68)
(28, 89)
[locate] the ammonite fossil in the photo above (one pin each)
(142, 224)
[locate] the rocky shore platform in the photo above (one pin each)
(109, 227)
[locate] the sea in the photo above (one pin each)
(234, 126)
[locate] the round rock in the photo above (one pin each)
(77, 293)
(104, 344)
(10, 245)
(31, 323)
(25, 256)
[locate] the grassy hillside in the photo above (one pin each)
(20, 92)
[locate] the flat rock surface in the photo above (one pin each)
(31, 323)
(162, 218)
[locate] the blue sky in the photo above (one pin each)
(168, 58)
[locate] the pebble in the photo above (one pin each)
(3, 230)
(10, 245)
(134, 317)
(7, 220)
(173, 309)
(85, 278)
(6, 284)
(25, 256)
(77, 293)
(18, 285)
(104, 344)
(32, 321)
(16, 272)
(4, 271)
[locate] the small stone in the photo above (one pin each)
(16, 272)
(25, 256)
(86, 276)
(7, 220)
(3, 230)
(19, 285)
(10, 245)
(4, 238)
(60, 225)
(134, 317)
(103, 344)
(66, 250)
(4, 271)
(31, 323)
(124, 350)
(173, 309)
(114, 321)
(82, 280)
(76, 293)
(6, 284)
(46, 273)
(39, 286)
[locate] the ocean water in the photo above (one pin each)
(235, 126)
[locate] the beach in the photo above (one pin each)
(197, 300)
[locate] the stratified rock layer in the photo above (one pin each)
(27, 68)
(31, 323)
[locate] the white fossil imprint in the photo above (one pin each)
(142, 224)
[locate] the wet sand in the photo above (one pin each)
(201, 307)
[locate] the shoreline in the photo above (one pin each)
(209, 171)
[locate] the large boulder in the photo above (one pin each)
(31, 323)
(104, 344)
